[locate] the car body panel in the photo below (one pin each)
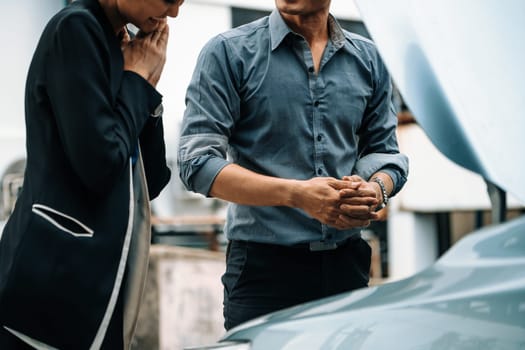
(471, 298)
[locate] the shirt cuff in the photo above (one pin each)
(397, 180)
(203, 179)
(395, 165)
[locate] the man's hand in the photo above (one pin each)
(343, 204)
(357, 204)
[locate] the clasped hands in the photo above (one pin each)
(343, 204)
(145, 54)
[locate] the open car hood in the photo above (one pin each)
(459, 68)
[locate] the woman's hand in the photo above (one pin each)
(145, 54)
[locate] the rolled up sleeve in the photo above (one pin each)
(378, 145)
(200, 159)
(212, 106)
(395, 165)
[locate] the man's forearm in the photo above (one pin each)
(319, 197)
(242, 186)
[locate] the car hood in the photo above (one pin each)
(472, 298)
(459, 68)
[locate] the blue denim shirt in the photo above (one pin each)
(255, 100)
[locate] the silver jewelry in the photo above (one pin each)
(383, 192)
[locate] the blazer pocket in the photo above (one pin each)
(62, 221)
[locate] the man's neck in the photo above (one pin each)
(314, 28)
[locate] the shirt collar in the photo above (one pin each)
(338, 36)
(279, 30)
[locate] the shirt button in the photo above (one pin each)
(311, 69)
(319, 138)
(319, 171)
(316, 103)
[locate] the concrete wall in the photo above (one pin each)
(183, 299)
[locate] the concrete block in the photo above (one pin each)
(182, 305)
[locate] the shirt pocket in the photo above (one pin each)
(63, 222)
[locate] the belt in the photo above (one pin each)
(315, 246)
(319, 246)
(322, 245)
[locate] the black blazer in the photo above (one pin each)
(85, 116)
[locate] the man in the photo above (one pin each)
(290, 119)
(73, 255)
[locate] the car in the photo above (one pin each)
(458, 65)
(473, 297)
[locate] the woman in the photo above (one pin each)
(73, 254)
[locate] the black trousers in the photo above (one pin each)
(262, 278)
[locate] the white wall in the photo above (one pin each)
(197, 23)
(21, 23)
